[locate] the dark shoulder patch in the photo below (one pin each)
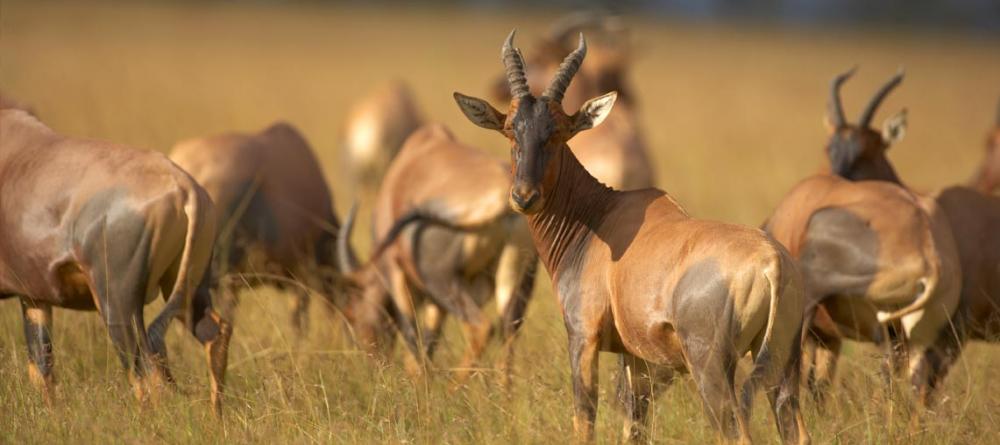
(839, 254)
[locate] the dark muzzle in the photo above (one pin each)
(524, 199)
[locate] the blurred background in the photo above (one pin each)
(731, 97)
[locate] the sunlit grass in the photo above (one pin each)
(319, 389)
(732, 114)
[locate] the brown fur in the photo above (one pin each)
(878, 259)
(275, 210)
(975, 219)
(461, 248)
(635, 275)
(914, 244)
(92, 225)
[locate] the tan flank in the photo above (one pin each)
(637, 276)
(449, 243)
(275, 212)
(878, 259)
(90, 225)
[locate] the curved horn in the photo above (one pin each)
(346, 258)
(869, 112)
(514, 65)
(836, 107)
(567, 69)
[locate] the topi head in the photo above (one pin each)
(537, 127)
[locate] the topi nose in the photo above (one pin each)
(524, 197)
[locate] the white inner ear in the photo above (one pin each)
(894, 128)
(596, 110)
(479, 112)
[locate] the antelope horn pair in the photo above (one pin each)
(837, 109)
(514, 64)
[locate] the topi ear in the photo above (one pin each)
(480, 112)
(593, 112)
(894, 128)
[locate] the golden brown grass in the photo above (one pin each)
(732, 113)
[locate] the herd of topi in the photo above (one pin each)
(852, 253)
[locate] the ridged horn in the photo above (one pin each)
(514, 65)
(567, 69)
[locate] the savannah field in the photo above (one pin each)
(732, 113)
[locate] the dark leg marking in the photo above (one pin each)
(38, 336)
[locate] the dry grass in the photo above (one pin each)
(733, 114)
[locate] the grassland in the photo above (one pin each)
(732, 113)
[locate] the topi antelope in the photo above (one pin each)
(615, 153)
(974, 215)
(275, 211)
(635, 275)
(975, 218)
(374, 131)
(108, 240)
(987, 178)
(879, 259)
(424, 262)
